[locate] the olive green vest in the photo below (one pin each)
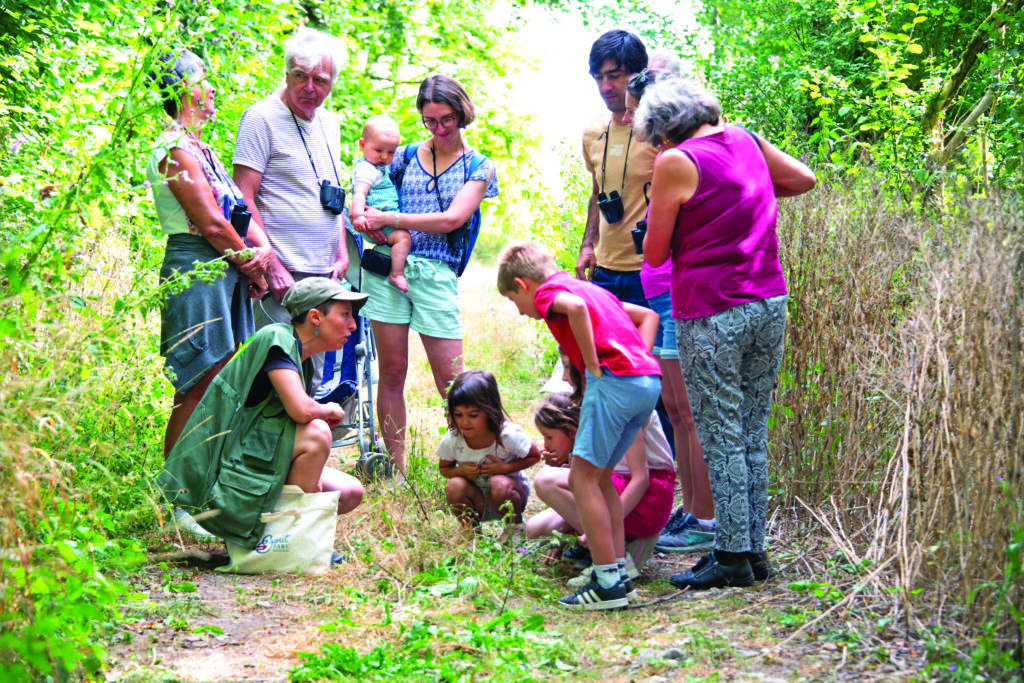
(231, 461)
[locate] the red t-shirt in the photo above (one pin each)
(620, 348)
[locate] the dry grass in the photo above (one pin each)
(898, 423)
(517, 350)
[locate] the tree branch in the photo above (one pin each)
(978, 43)
(943, 156)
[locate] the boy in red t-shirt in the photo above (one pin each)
(609, 342)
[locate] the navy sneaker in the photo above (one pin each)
(588, 575)
(593, 597)
(709, 573)
(579, 556)
(627, 587)
(678, 521)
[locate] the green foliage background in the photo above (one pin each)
(83, 401)
(923, 100)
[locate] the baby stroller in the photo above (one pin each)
(348, 380)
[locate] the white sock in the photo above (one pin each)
(707, 523)
(620, 562)
(607, 575)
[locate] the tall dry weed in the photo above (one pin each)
(898, 413)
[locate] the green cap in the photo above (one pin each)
(313, 291)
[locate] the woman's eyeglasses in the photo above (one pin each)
(638, 82)
(445, 122)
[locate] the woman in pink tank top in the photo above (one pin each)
(713, 210)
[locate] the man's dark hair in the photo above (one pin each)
(625, 48)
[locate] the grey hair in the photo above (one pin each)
(170, 74)
(664, 61)
(308, 48)
(672, 109)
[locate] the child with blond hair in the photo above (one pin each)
(610, 343)
(372, 186)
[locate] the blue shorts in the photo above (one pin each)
(431, 307)
(614, 408)
(665, 344)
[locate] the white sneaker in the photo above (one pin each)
(584, 578)
(188, 526)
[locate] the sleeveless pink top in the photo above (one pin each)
(724, 249)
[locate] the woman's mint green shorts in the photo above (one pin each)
(432, 305)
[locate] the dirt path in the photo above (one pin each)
(249, 628)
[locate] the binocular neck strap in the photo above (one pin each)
(604, 157)
(329, 155)
(437, 190)
(216, 167)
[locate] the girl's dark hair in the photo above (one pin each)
(558, 411)
(441, 89)
(477, 388)
(575, 377)
(576, 380)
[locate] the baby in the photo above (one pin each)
(372, 186)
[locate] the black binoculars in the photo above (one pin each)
(458, 239)
(332, 198)
(638, 236)
(611, 206)
(240, 218)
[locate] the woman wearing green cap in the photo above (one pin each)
(257, 428)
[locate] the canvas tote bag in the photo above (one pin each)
(298, 537)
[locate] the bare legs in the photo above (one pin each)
(468, 502)
(351, 490)
(600, 510)
(312, 446)
(185, 404)
(690, 465)
(445, 358)
(393, 364)
(552, 486)
(465, 500)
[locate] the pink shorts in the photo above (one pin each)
(650, 514)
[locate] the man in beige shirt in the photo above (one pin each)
(621, 165)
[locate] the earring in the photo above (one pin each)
(316, 331)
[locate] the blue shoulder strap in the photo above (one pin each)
(474, 221)
(410, 149)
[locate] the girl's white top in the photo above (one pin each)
(515, 445)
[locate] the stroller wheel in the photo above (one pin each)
(375, 465)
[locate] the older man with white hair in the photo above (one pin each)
(285, 163)
(287, 149)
